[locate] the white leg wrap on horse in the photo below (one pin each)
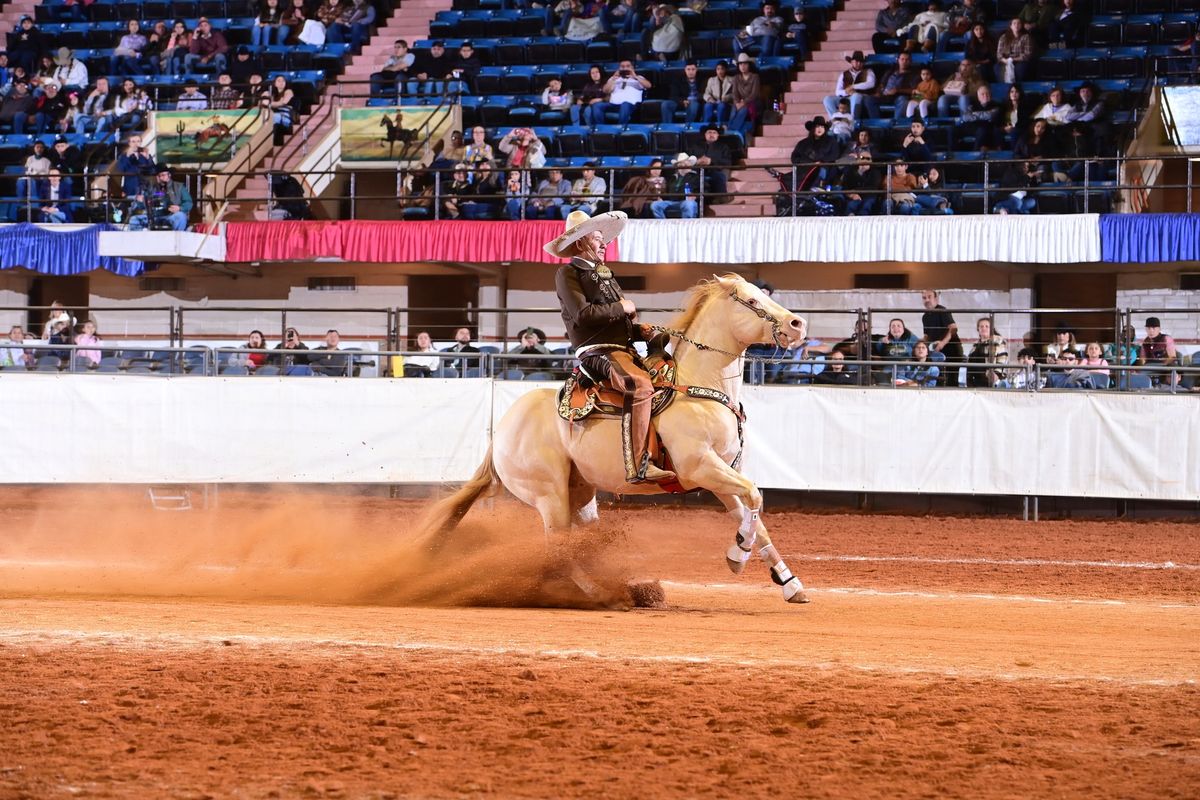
(740, 551)
(780, 574)
(749, 527)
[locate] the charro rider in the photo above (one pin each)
(602, 325)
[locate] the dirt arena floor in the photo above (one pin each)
(294, 645)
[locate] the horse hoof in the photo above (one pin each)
(736, 558)
(793, 591)
(647, 594)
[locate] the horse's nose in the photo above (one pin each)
(796, 324)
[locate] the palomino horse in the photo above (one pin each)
(556, 466)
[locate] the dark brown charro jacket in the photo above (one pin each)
(591, 306)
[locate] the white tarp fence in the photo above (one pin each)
(1033, 239)
(127, 429)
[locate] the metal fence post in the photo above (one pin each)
(887, 191)
(353, 189)
(987, 177)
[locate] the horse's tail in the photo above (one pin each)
(446, 513)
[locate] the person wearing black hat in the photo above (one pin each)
(428, 70)
(857, 83)
(1091, 114)
(814, 155)
(164, 205)
(686, 92)
(711, 157)
(1158, 349)
(531, 346)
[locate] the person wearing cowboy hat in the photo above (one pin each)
(746, 90)
(166, 202)
(602, 326)
(683, 188)
(712, 157)
(70, 72)
(857, 83)
(815, 155)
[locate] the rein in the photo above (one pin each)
(777, 336)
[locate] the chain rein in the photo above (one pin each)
(776, 328)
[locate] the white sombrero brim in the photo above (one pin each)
(610, 224)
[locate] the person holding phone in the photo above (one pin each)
(626, 90)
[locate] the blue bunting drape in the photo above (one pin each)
(54, 252)
(1146, 238)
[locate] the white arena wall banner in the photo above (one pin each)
(129, 429)
(1049, 239)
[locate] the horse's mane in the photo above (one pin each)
(698, 298)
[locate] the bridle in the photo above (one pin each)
(777, 335)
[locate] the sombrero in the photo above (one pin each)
(579, 224)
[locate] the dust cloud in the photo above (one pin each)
(294, 546)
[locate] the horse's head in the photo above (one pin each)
(761, 319)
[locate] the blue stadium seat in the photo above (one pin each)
(1126, 62)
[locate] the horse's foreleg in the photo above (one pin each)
(743, 500)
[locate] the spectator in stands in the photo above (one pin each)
(127, 55)
(462, 344)
(252, 97)
(578, 20)
(922, 373)
(924, 96)
(31, 182)
(1093, 358)
(1056, 111)
(13, 353)
(288, 200)
(429, 70)
(927, 28)
(888, 21)
(523, 148)
(990, 348)
(328, 12)
(207, 48)
(980, 50)
(1015, 114)
(55, 199)
(1016, 179)
(960, 89)
(931, 192)
(835, 372)
(279, 99)
(252, 361)
(746, 91)
(557, 103)
(814, 156)
(58, 313)
(45, 72)
(1015, 51)
(327, 360)
(1069, 26)
(453, 151)
(1027, 376)
(916, 150)
(857, 83)
(1158, 349)
(712, 157)
(135, 166)
(292, 355)
(4, 69)
(897, 344)
(766, 31)
(516, 192)
(393, 76)
(177, 48)
(459, 191)
(625, 90)
(156, 48)
(861, 186)
(422, 366)
(863, 143)
(17, 108)
(88, 336)
(797, 33)
(224, 95)
(1040, 148)
(50, 109)
(461, 77)
(191, 98)
(530, 346)
(664, 37)
(592, 98)
(939, 329)
(682, 190)
(25, 45)
(586, 193)
(841, 123)
(895, 87)
(687, 92)
(1091, 114)
(621, 18)
(961, 19)
(245, 63)
(1036, 18)
(1125, 352)
(487, 193)
(61, 333)
(641, 190)
(165, 205)
(131, 106)
(66, 158)
(268, 26)
(478, 149)
(551, 191)
(981, 120)
(718, 96)
(901, 198)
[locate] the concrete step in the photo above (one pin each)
(736, 210)
(769, 155)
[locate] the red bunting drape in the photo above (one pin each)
(479, 242)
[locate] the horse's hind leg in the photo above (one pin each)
(582, 499)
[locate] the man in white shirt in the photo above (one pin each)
(422, 366)
(70, 72)
(625, 89)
